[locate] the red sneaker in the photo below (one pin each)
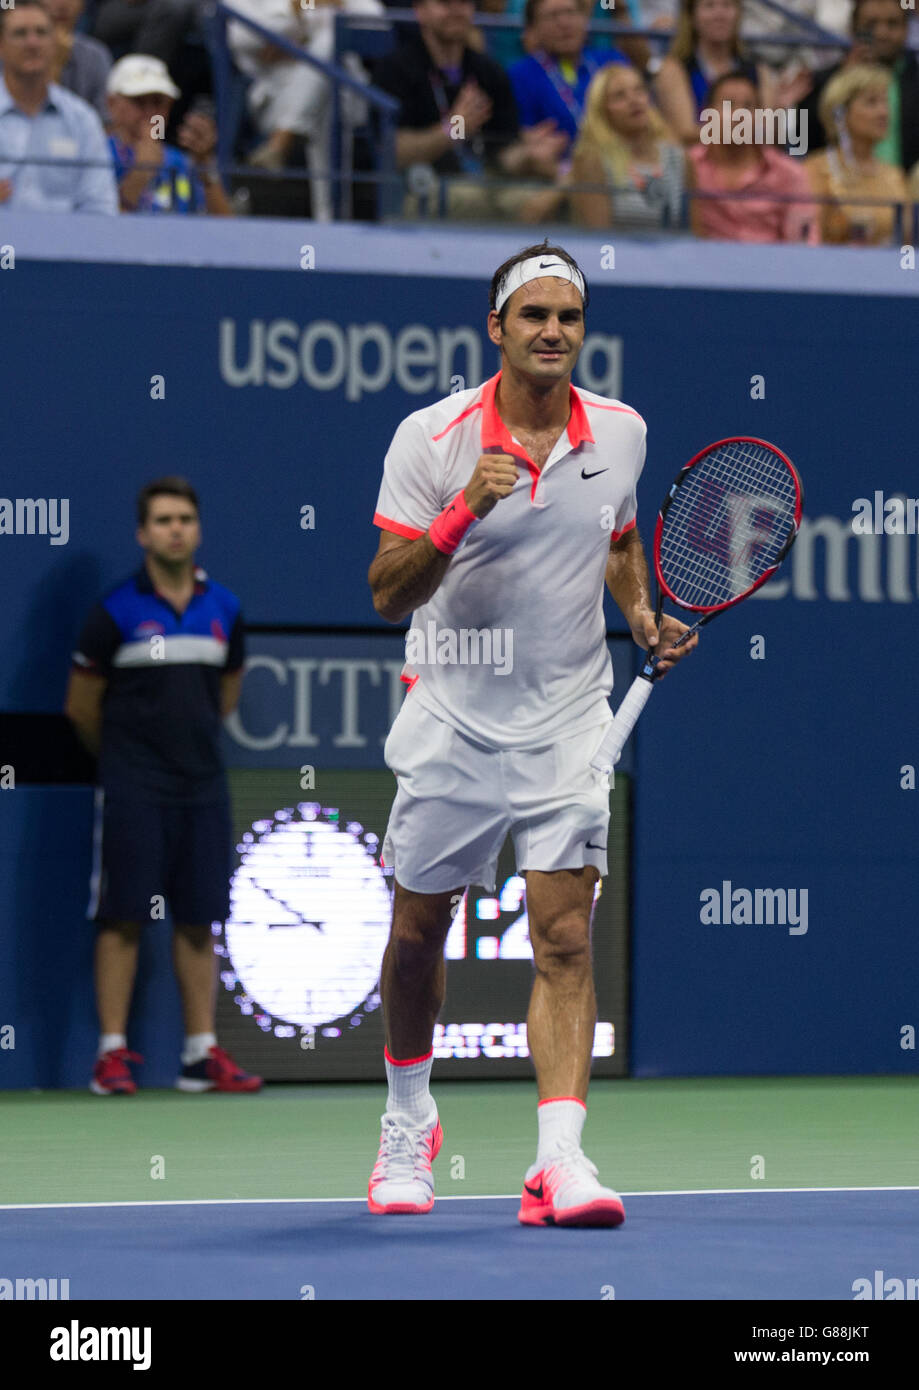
(111, 1076)
(216, 1072)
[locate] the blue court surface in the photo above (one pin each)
(766, 1244)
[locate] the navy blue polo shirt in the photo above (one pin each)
(161, 708)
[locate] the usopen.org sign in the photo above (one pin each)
(363, 359)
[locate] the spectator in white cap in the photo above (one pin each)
(152, 176)
(53, 155)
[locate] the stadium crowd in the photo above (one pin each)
(108, 106)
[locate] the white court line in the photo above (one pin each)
(487, 1197)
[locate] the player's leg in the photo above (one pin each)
(412, 987)
(561, 1187)
(445, 829)
(560, 840)
(413, 977)
(562, 1014)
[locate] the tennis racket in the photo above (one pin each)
(724, 528)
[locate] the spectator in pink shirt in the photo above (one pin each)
(760, 182)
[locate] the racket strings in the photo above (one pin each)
(726, 524)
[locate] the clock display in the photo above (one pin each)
(309, 917)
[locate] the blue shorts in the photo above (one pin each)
(145, 852)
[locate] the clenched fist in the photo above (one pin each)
(494, 477)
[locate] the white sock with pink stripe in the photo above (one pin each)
(410, 1096)
(560, 1118)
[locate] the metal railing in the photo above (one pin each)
(905, 213)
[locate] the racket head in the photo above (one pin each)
(727, 523)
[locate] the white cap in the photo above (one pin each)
(140, 75)
(523, 271)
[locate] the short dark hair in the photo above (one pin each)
(735, 75)
(23, 5)
(171, 486)
(504, 270)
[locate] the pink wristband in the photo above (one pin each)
(448, 529)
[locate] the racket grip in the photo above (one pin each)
(610, 750)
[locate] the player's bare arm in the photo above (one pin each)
(407, 573)
(629, 582)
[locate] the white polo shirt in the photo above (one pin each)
(511, 650)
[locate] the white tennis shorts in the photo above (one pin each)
(457, 801)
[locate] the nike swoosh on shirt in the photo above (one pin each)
(590, 846)
(595, 474)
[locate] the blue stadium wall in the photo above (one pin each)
(288, 354)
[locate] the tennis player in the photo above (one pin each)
(502, 510)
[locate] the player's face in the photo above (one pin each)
(172, 531)
(543, 329)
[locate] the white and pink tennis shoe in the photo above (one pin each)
(564, 1191)
(402, 1181)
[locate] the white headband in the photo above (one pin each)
(536, 266)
